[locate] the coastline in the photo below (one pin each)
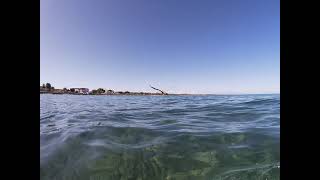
(110, 94)
(154, 94)
(129, 94)
(48, 89)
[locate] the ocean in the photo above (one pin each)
(201, 137)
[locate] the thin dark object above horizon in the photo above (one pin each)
(158, 90)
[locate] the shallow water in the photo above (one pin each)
(159, 137)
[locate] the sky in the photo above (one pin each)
(180, 46)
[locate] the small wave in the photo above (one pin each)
(186, 137)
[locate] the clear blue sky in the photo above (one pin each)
(191, 46)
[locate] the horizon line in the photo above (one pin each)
(210, 93)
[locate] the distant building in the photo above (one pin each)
(80, 90)
(43, 90)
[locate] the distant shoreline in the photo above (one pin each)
(124, 94)
(154, 94)
(48, 89)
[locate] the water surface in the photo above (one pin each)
(159, 137)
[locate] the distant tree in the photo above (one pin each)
(65, 89)
(110, 91)
(48, 86)
(101, 91)
(43, 86)
(94, 91)
(72, 89)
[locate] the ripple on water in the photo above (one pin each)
(163, 137)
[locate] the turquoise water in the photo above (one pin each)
(159, 137)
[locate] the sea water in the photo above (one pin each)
(159, 137)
